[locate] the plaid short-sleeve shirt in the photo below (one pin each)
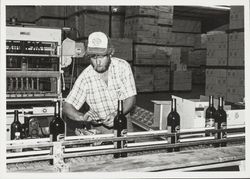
(102, 98)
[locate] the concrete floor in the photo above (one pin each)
(144, 99)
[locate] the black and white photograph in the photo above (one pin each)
(109, 90)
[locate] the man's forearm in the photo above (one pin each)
(70, 111)
(128, 104)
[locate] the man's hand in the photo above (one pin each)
(109, 121)
(83, 117)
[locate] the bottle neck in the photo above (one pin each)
(57, 108)
(120, 107)
(220, 105)
(16, 118)
(211, 101)
(173, 105)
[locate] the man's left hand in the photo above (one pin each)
(109, 121)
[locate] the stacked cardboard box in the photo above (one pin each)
(236, 49)
(162, 55)
(216, 82)
(151, 31)
(185, 31)
(87, 19)
(141, 11)
(186, 25)
(123, 48)
(217, 45)
(24, 14)
(164, 35)
(217, 55)
(144, 78)
(182, 81)
(165, 15)
(86, 23)
(141, 24)
(200, 41)
(161, 78)
(176, 58)
(117, 26)
(235, 85)
(50, 16)
(50, 11)
(198, 76)
(185, 55)
(179, 58)
(197, 57)
(152, 55)
(94, 8)
(149, 79)
(144, 54)
(183, 39)
(165, 22)
(236, 20)
(235, 77)
(141, 29)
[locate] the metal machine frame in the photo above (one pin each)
(25, 37)
(88, 150)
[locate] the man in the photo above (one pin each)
(100, 85)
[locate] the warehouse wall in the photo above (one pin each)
(166, 52)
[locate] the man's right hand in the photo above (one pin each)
(83, 117)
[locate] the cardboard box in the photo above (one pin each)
(161, 111)
(235, 117)
(191, 111)
(123, 48)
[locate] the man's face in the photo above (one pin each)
(100, 63)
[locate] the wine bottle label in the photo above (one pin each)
(177, 129)
(223, 126)
(17, 135)
(209, 122)
(169, 129)
(51, 137)
(115, 143)
(124, 132)
(115, 133)
(216, 127)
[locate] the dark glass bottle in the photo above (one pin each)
(120, 127)
(56, 126)
(16, 127)
(124, 130)
(221, 122)
(173, 125)
(25, 128)
(210, 114)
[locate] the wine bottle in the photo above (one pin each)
(210, 114)
(124, 130)
(120, 127)
(56, 126)
(173, 125)
(221, 122)
(17, 137)
(16, 126)
(25, 128)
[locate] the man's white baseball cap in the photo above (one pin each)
(97, 44)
